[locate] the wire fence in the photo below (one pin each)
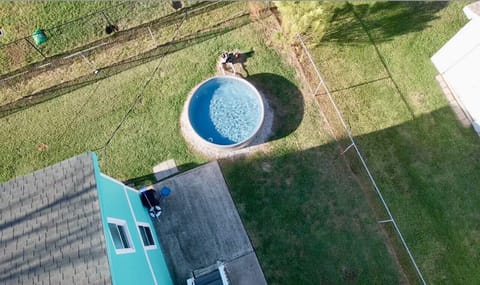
(79, 32)
(106, 57)
(141, 92)
(340, 124)
(170, 33)
(126, 15)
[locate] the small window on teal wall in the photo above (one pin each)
(120, 236)
(147, 237)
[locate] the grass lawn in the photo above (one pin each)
(307, 217)
(425, 163)
(66, 25)
(20, 19)
(309, 221)
(124, 50)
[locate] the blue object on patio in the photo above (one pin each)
(165, 191)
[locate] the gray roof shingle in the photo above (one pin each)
(50, 227)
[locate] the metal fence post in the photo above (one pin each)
(30, 43)
(362, 160)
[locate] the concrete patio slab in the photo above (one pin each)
(165, 169)
(245, 270)
(200, 226)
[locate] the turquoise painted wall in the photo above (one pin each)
(155, 255)
(117, 201)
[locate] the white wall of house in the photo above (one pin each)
(458, 61)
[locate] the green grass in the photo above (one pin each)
(303, 209)
(66, 25)
(20, 19)
(126, 49)
(425, 163)
(308, 219)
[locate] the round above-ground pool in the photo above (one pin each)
(225, 112)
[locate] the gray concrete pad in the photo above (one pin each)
(200, 226)
(245, 270)
(165, 169)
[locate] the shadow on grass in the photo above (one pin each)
(354, 85)
(285, 100)
(384, 20)
(162, 50)
(308, 218)
(149, 179)
(187, 166)
(380, 22)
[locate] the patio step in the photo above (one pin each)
(165, 169)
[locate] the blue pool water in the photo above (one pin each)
(225, 111)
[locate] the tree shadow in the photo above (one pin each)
(383, 20)
(308, 204)
(147, 179)
(285, 100)
(150, 179)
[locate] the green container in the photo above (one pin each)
(39, 36)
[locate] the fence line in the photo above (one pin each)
(144, 87)
(28, 58)
(101, 11)
(21, 52)
(90, 64)
(360, 156)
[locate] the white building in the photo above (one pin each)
(458, 62)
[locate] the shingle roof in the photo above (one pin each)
(51, 228)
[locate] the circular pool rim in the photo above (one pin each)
(237, 144)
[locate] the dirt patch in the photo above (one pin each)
(15, 54)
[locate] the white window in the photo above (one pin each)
(146, 234)
(120, 236)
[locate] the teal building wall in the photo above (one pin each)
(142, 266)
